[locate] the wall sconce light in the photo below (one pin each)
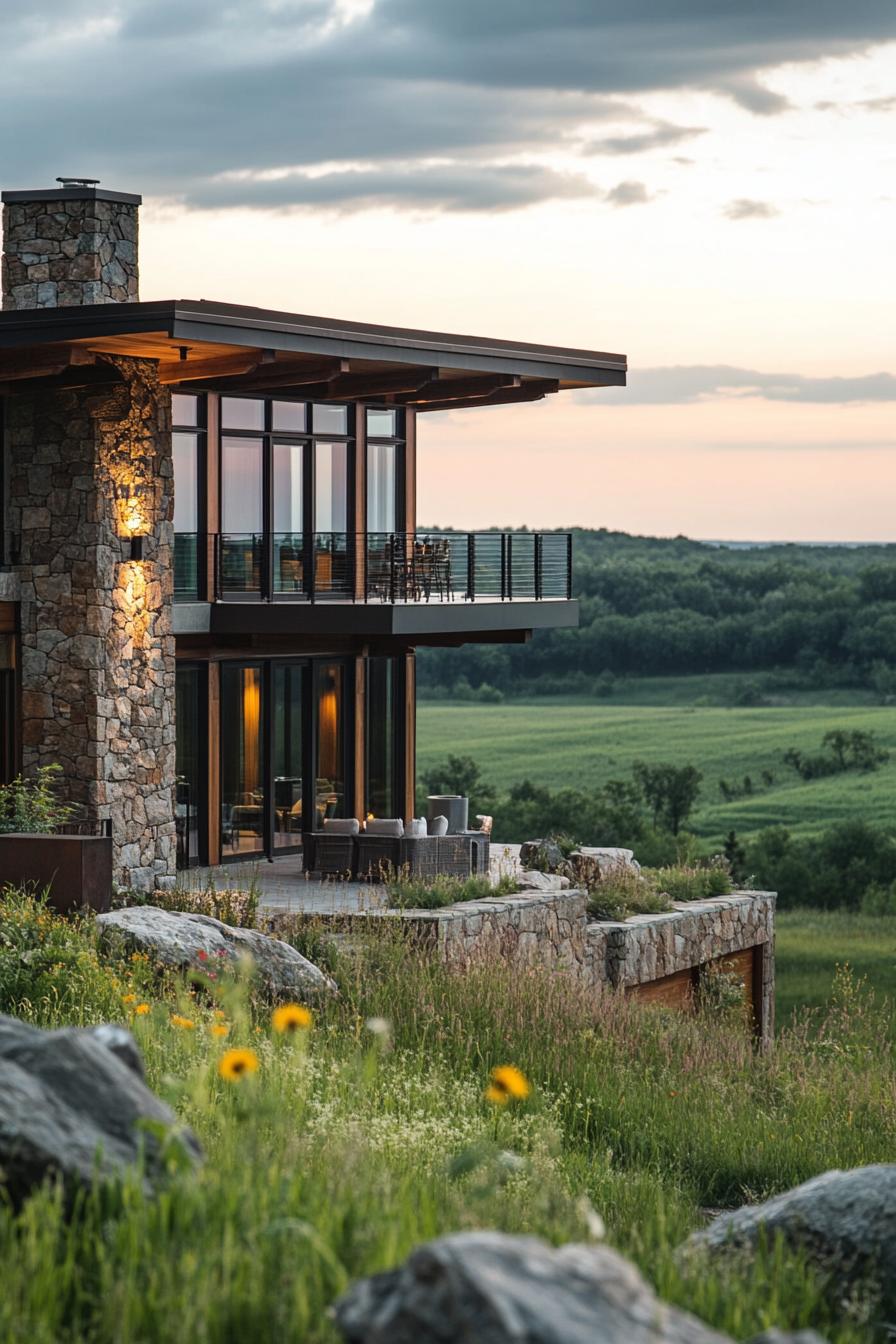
(131, 498)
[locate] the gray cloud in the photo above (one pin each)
(755, 97)
(165, 96)
(682, 384)
(744, 208)
(457, 187)
(628, 193)
(659, 136)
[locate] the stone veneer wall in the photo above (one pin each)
(60, 253)
(97, 652)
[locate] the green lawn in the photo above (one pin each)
(811, 944)
(583, 744)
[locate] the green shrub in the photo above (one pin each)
(431, 893)
(31, 805)
(50, 970)
(687, 883)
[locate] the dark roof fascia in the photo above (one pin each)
(186, 320)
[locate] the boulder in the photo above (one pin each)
(609, 859)
(845, 1221)
(546, 855)
(182, 941)
(499, 1289)
(530, 879)
(74, 1106)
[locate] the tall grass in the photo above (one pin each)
(359, 1139)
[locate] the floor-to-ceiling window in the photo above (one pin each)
(381, 744)
(284, 760)
(285, 498)
(188, 451)
(287, 741)
(242, 759)
(329, 710)
(188, 767)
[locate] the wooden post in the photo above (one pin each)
(410, 734)
(360, 738)
(213, 792)
(211, 521)
(357, 541)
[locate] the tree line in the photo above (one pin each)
(652, 606)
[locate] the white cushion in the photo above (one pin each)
(393, 826)
(342, 825)
(438, 826)
(416, 829)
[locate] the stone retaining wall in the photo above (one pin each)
(642, 955)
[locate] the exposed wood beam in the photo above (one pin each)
(458, 389)
(282, 373)
(383, 384)
(43, 361)
(531, 391)
(189, 370)
(88, 375)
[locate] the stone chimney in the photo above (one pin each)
(68, 246)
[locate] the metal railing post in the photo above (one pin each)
(471, 566)
(509, 540)
(569, 566)
(539, 567)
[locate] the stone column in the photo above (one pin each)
(88, 468)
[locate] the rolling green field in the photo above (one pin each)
(581, 744)
(811, 944)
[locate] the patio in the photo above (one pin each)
(285, 886)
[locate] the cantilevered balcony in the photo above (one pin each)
(393, 582)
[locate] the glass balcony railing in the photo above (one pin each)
(382, 566)
(186, 567)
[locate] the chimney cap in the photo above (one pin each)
(74, 189)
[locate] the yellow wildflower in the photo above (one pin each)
(129, 998)
(235, 1064)
(220, 1029)
(185, 1023)
(291, 1017)
(507, 1084)
(142, 1009)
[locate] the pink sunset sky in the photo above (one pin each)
(709, 190)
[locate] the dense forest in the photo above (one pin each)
(820, 615)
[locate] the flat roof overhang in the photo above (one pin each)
(414, 622)
(202, 345)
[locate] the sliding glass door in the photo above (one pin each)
(284, 764)
(243, 773)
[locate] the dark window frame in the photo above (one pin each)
(200, 429)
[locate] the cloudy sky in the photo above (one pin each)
(707, 185)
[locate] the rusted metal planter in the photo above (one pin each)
(75, 869)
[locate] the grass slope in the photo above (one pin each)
(583, 744)
(811, 944)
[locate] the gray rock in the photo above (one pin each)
(787, 1337)
(610, 859)
(530, 879)
(547, 855)
(74, 1106)
(496, 1289)
(184, 940)
(844, 1220)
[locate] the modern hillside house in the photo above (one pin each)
(214, 581)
